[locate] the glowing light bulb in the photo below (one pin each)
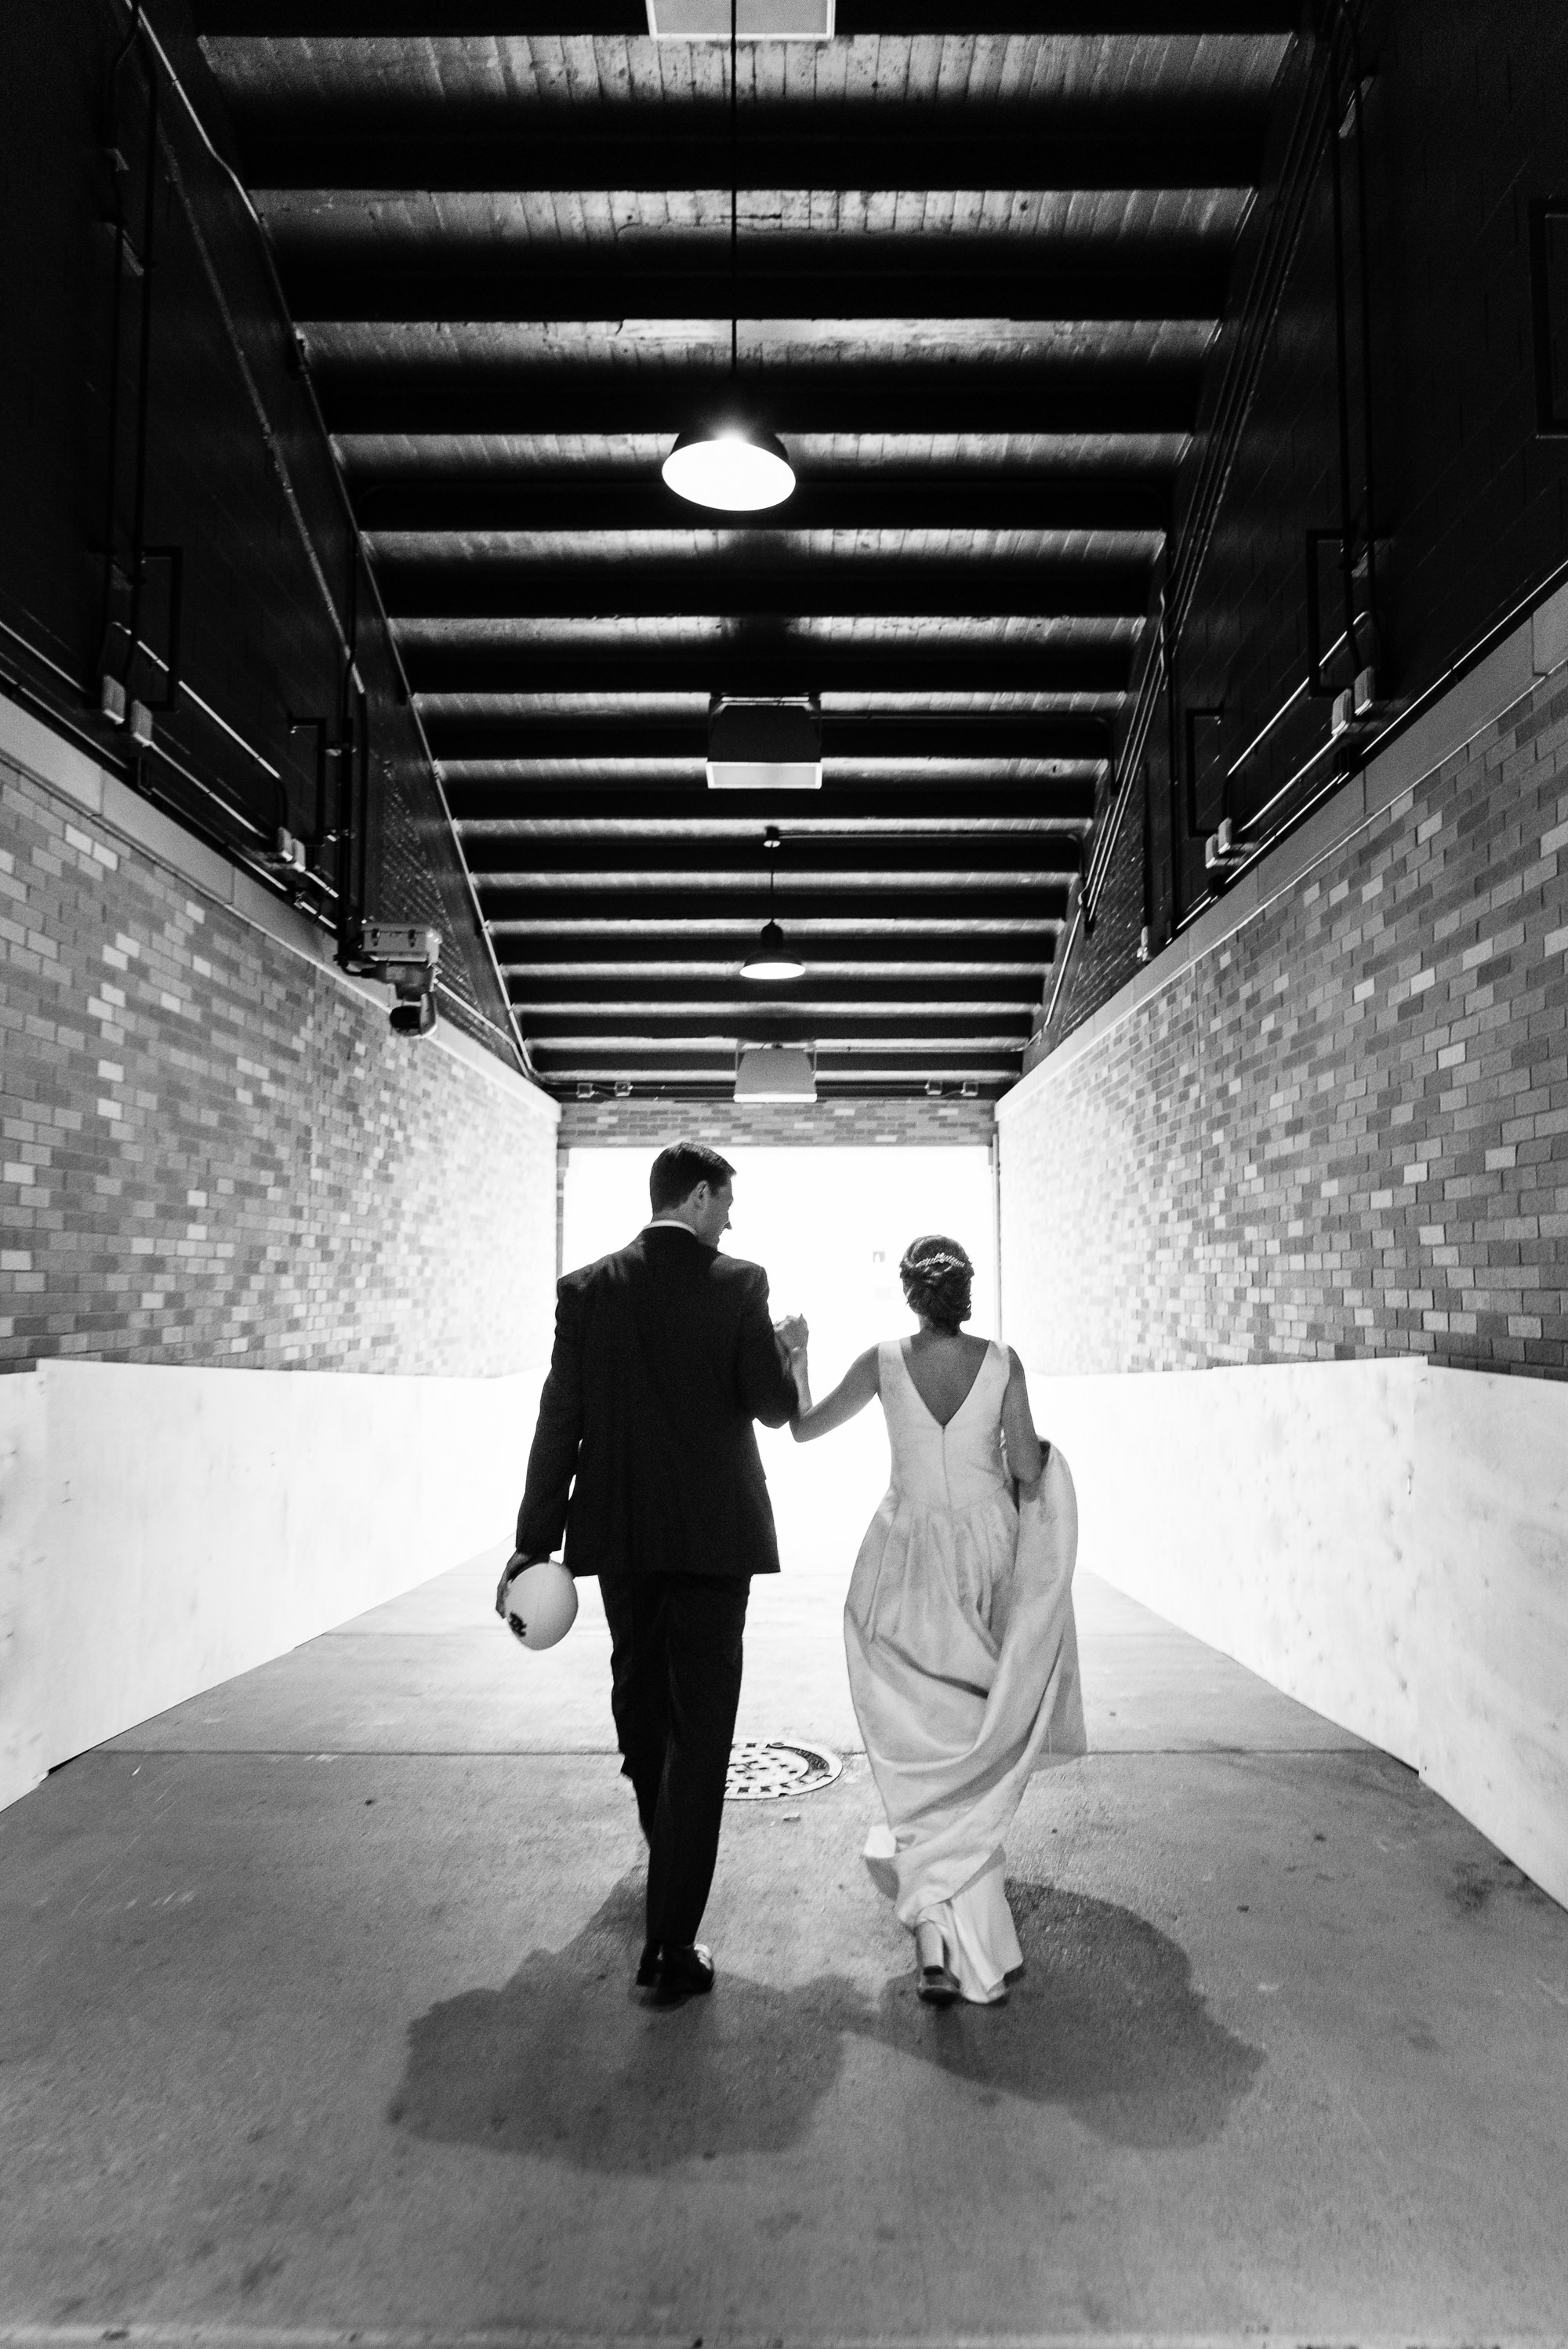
(736, 467)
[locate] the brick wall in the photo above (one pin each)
(1345, 1130)
(217, 1153)
(648, 1124)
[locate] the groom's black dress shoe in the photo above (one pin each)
(676, 1971)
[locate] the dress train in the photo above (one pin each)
(962, 1662)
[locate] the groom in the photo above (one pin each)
(664, 1356)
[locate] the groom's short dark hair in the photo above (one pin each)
(677, 1172)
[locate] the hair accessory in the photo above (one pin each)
(938, 1260)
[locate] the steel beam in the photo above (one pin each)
(825, 150)
(933, 665)
(505, 809)
(844, 737)
(435, 20)
(920, 397)
(878, 500)
(915, 910)
(879, 1063)
(694, 998)
(915, 859)
(496, 589)
(892, 1031)
(864, 963)
(857, 1080)
(862, 277)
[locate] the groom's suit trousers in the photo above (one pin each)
(676, 1659)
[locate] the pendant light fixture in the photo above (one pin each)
(771, 957)
(731, 461)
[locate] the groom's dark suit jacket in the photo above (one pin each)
(664, 1356)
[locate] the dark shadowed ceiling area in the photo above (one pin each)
(981, 273)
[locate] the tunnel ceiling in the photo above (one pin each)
(981, 275)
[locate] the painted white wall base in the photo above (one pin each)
(161, 1529)
(1384, 1540)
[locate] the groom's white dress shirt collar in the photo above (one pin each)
(668, 1223)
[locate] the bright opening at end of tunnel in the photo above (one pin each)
(830, 1225)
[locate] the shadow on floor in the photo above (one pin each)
(568, 2063)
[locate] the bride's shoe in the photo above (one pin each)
(936, 1982)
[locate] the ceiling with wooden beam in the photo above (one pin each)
(981, 262)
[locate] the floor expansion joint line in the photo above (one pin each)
(233, 2336)
(610, 1752)
(361, 1752)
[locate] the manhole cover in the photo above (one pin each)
(761, 1769)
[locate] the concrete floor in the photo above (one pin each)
(316, 2019)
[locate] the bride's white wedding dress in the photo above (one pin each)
(962, 1656)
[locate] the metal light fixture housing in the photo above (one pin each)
(731, 462)
(734, 465)
(776, 1072)
(764, 20)
(772, 958)
(759, 743)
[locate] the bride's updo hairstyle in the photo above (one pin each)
(937, 1276)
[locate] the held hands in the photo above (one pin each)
(792, 1336)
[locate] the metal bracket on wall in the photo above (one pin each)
(175, 558)
(1548, 267)
(1192, 720)
(1318, 655)
(1112, 793)
(325, 749)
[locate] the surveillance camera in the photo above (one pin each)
(414, 1019)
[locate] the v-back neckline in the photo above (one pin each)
(909, 1374)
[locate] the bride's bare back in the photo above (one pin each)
(942, 1365)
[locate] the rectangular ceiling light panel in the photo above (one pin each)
(755, 20)
(764, 745)
(775, 1072)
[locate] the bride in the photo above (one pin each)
(959, 1629)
